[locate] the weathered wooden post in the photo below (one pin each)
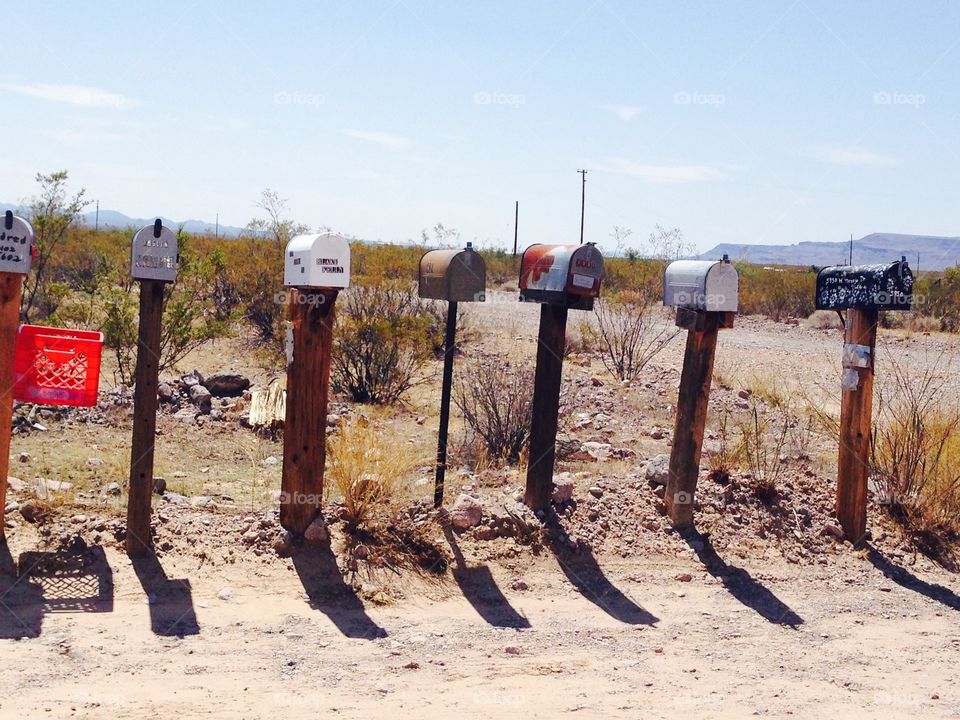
(560, 277)
(455, 276)
(863, 291)
(153, 262)
(316, 268)
(706, 295)
(16, 250)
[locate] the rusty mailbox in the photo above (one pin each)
(884, 286)
(565, 275)
(455, 276)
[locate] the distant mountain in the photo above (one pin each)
(936, 253)
(114, 219)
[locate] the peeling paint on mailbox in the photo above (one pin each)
(567, 275)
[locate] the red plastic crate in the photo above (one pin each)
(56, 366)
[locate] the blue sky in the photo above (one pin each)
(747, 122)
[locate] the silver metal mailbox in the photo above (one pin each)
(154, 254)
(16, 244)
(706, 285)
(317, 261)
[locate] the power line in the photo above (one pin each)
(583, 201)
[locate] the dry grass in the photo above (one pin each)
(762, 441)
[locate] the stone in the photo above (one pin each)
(200, 396)
(743, 394)
(191, 379)
(94, 462)
(562, 488)
(176, 498)
(333, 420)
(317, 532)
(24, 457)
(32, 511)
(466, 512)
(159, 485)
(658, 470)
(834, 531)
(684, 577)
(166, 392)
(512, 650)
(227, 384)
(656, 434)
(596, 382)
(44, 487)
(15, 484)
(225, 593)
(283, 544)
(597, 450)
(596, 491)
(110, 489)
(187, 415)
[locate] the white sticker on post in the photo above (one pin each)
(850, 379)
(856, 356)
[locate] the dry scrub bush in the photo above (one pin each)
(630, 332)
(496, 399)
(916, 449)
(777, 293)
(722, 461)
(365, 470)
(384, 338)
(762, 441)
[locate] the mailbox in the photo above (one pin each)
(706, 285)
(887, 286)
(153, 254)
(453, 275)
(317, 261)
(16, 244)
(567, 275)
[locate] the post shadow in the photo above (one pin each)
(481, 590)
(903, 577)
(583, 571)
(741, 584)
(317, 568)
(171, 601)
(21, 601)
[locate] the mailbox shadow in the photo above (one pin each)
(586, 575)
(328, 593)
(903, 577)
(481, 590)
(74, 579)
(741, 584)
(171, 601)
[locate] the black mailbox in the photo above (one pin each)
(886, 286)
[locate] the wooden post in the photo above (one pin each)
(146, 376)
(305, 427)
(10, 288)
(691, 417)
(449, 350)
(546, 405)
(856, 410)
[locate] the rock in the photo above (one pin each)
(519, 586)
(562, 488)
(283, 544)
(333, 420)
(227, 384)
(200, 396)
(271, 460)
(512, 650)
(744, 394)
(361, 552)
(24, 457)
(15, 484)
(94, 462)
(484, 533)
(596, 491)
(597, 450)
(159, 485)
(187, 415)
(191, 379)
(166, 392)
(32, 511)
(466, 512)
(176, 498)
(658, 470)
(201, 501)
(596, 382)
(225, 593)
(110, 489)
(316, 532)
(656, 434)
(684, 577)
(44, 487)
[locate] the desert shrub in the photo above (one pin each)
(823, 320)
(761, 448)
(365, 470)
(383, 341)
(915, 459)
(722, 461)
(777, 293)
(630, 332)
(496, 400)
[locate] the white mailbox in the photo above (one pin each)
(154, 254)
(317, 261)
(708, 285)
(16, 244)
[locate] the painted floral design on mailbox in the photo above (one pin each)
(561, 274)
(886, 286)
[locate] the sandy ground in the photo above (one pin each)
(622, 640)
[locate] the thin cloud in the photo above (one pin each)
(624, 112)
(663, 174)
(76, 95)
(853, 157)
(387, 141)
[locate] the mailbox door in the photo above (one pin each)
(16, 244)
(154, 254)
(722, 288)
(586, 271)
(467, 277)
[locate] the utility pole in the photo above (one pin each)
(217, 231)
(97, 218)
(516, 219)
(583, 201)
(850, 258)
